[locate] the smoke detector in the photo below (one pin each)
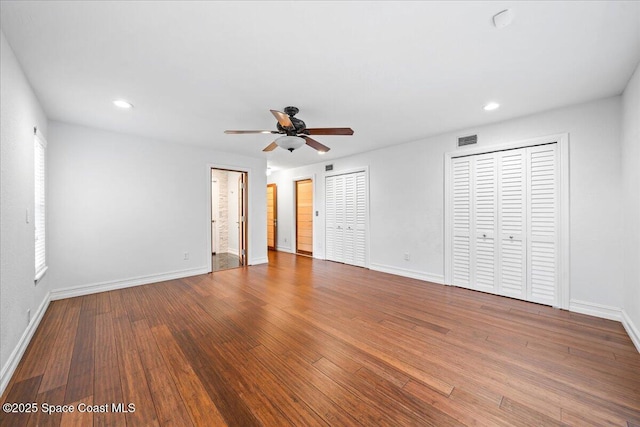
(502, 19)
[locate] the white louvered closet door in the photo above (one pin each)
(339, 215)
(542, 205)
(505, 220)
(360, 246)
(461, 170)
(346, 218)
(485, 210)
(512, 193)
(330, 224)
(349, 218)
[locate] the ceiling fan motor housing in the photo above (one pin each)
(298, 126)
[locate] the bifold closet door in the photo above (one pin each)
(543, 215)
(462, 227)
(512, 223)
(346, 224)
(504, 216)
(485, 222)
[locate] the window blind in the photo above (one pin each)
(39, 215)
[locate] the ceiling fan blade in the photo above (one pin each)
(316, 145)
(237, 132)
(329, 131)
(282, 118)
(271, 146)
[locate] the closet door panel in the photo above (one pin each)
(543, 224)
(512, 220)
(349, 218)
(340, 211)
(330, 215)
(485, 201)
(462, 210)
(360, 225)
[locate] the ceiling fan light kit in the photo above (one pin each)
(290, 142)
(295, 132)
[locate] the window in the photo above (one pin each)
(39, 214)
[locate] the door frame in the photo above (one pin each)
(243, 213)
(562, 140)
(230, 168)
(214, 231)
(275, 218)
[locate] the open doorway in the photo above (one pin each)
(228, 219)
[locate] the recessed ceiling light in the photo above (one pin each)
(121, 103)
(491, 106)
(322, 152)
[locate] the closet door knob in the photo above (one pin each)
(511, 237)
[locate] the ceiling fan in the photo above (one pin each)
(295, 132)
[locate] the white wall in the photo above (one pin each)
(631, 203)
(407, 198)
(20, 111)
(125, 209)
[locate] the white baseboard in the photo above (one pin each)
(284, 249)
(256, 261)
(405, 272)
(631, 329)
(94, 288)
(595, 309)
(14, 358)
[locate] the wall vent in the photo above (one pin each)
(328, 168)
(467, 140)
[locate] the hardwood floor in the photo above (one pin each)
(305, 342)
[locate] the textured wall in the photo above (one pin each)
(127, 207)
(19, 113)
(631, 201)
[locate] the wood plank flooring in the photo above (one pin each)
(305, 342)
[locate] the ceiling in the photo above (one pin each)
(393, 71)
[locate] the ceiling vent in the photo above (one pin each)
(467, 140)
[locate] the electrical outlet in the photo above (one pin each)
(186, 256)
(407, 256)
(28, 316)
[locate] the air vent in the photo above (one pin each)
(328, 168)
(467, 140)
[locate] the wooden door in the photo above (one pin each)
(272, 216)
(304, 217)
(242, 218)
